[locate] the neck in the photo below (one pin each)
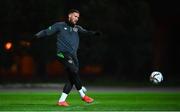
(69, 23)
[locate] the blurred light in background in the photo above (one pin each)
(55, 68)
(8, 46)
(92, 69)
(25, 43)
(27, 65)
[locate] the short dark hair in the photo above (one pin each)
(73, 10)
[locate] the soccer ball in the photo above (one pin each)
(156, 77)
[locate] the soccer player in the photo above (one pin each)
(67, 46)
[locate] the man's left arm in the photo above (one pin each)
(88, 32)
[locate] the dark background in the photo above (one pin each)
(138, 37)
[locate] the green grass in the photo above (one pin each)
(46, 101)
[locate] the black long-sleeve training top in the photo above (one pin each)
(67, 36)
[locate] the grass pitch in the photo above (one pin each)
(104, 101)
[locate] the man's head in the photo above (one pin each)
(73, 16)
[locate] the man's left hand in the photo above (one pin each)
(97, 33)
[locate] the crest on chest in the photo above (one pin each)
(75, 29)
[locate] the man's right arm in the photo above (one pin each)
(47, 32)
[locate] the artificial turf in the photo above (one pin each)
(104, 101)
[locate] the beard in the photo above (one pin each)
(71, 23)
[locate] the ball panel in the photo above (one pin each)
(156, 77)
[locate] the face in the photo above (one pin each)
(73, 17)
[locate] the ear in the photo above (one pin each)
(69, 15)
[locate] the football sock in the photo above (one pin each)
(81, 93)
(63, 97)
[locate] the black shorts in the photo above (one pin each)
(69, 61)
